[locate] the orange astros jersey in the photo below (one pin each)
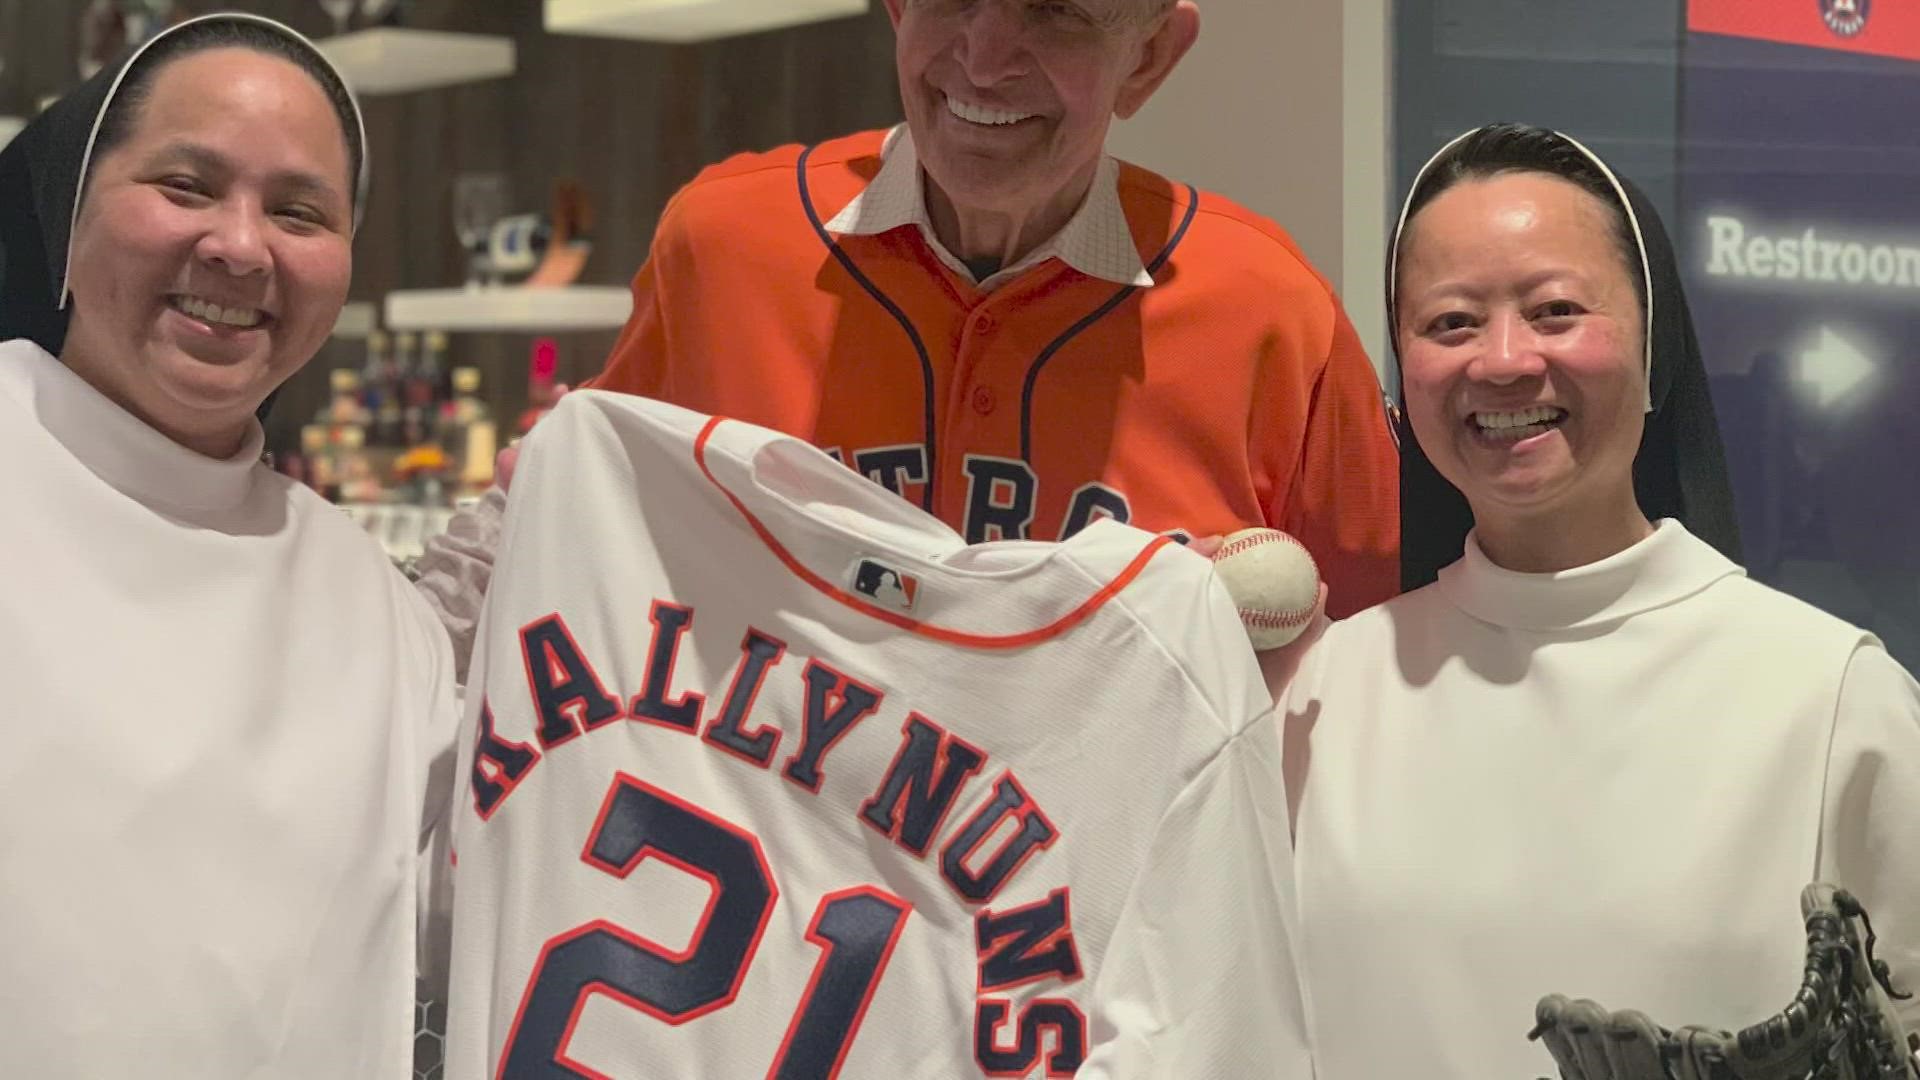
(1231, 393)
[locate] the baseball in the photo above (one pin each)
(1273, 581)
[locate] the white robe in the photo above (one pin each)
(219, 712)
(1610, 783)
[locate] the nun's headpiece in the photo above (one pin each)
(1680, 471)
(44, 170)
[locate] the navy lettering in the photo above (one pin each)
(1000, 497)
(567, 695)
(1027, 944)
(758, 652)
(1034, 833)
(911, 780)
(1092, 501)
(834, 704)
(498, 765)
(893, 467)
(670, 621)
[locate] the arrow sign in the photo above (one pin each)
(1833, 367)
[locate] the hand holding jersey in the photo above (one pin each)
(509, 455)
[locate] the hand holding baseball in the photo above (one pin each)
(1273, 581)
(1256, 584)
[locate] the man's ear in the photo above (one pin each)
(894, 8)
(1178, 30)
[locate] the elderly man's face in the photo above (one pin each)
(1009, 100)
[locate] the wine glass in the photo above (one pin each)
(341, 11)
(479, 200)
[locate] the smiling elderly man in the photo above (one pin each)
(985, 313)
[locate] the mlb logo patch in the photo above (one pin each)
(883, 584)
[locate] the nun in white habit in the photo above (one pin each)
(220, 707)
(1593, 757)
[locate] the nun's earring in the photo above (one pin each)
(1397, 425)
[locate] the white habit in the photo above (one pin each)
(218, 707)
(1611, 783)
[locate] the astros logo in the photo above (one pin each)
(1845, 17)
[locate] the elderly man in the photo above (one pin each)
(985, 313)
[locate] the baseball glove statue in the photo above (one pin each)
(1840, 1026)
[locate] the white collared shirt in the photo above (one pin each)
(1096, 240)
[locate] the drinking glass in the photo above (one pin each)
(479, 200)
(340, 11)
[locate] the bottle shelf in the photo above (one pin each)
(355, 320)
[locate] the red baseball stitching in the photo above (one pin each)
(1246, 543)
(1268, 620)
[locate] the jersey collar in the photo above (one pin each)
(1096, 240)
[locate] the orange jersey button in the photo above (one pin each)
(983, 400)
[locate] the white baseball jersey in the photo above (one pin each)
(765, 773)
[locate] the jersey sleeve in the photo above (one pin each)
(1870, 822)
(1199, 981)
(454, 571)
(638, 363)
(1344, 504)
(436, 750)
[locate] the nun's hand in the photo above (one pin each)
(505, 460)
(503, 464)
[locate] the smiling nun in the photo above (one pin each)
(220, 707)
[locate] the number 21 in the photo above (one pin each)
(855, 930)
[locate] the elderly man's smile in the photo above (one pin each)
(984, 115)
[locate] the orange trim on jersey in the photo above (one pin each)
(938, 633)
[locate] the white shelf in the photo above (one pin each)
(9, 127)
(393, 60)
(507, 309)
(355, 321)
(689, 20)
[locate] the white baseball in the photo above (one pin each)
(1273, 581)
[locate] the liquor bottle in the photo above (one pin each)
(436, 370)
(389, 421)
(316, 447)
(373, 373)
(359, 483)
(421, 408)
(470, 437)
(540, 384)
(345, 406)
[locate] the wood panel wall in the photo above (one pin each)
(630, 121)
